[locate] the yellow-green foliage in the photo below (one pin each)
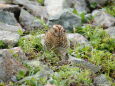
(110, 10)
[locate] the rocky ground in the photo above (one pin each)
(90, 26)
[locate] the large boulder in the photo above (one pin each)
(67, 19)
(111, 32)
(9, 67)
(102, 18)
(28, 21)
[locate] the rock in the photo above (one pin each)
(9, 34)
(35, 9)
(8, 18)
(80, 6)
(55, 7)
(9, 38)
(11, 8)
(9, 67)
(101, 80)
(10, 28)
(102, 18)
(8, 7)
(28, 21)
(100, 2)
(76, 38)
(17, 52)
(67, 19)
(84, 64)
(111, 32)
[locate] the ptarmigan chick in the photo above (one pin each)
(55, 39)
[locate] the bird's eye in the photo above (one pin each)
(64, 30)
(55, 30)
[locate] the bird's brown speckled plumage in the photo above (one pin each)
(56, 39)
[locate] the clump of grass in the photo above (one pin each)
(110, 10)
(98, 38)
(31, 46)
(2, 44)
(68, 75)
(41, 2)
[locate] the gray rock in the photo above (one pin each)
(9, 67)
(111, 32)
(28, 21)
(35, 9)
(11, 8)
(55, 7)
(17, 52)
(11, 28)
(101, 80)
(8, 18)
(84, 64)
(80, 6)
(76, 38)
(101, 2)
(67, 19)
(8, 6)
(9, 38)
(9, 33)
(102, 18)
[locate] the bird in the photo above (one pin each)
(55, 39)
